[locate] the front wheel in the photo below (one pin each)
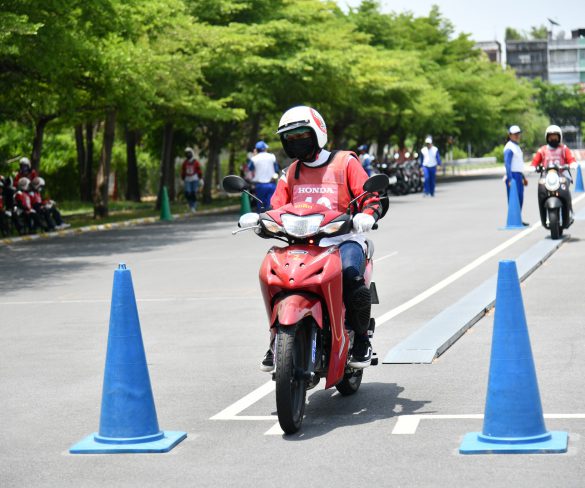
(556, 230)
(291, 387)
(350, 383)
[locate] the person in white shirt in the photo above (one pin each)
(265, 173)
(514, 164)
(430, 159)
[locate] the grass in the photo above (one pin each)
(80, 214)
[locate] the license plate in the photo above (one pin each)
(392, 180)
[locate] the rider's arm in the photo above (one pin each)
(508, 154)
(357, 176)
(537, 159)
(569, 157)
(281, 195)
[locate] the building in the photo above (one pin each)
(528, 58)
(566, 63)
(493, 50)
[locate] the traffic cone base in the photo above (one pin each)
(95, 444)
(514, 219)
(551, 442)
(128, 421)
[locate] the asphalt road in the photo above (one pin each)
(205, 331)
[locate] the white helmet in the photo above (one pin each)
(38, 182)
(24, 161)
(23, 184)
(553, 129)
(302, 116)
(429, 140)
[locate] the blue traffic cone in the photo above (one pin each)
(513, 419)
(579, 181)
(128, 421)
(514, 220)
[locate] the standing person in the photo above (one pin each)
(430, 159)
(265, 173)
(366, 159)
(337, 176)
(514, 164)
(191, 175)
(555, 152)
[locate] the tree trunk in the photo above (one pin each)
(100, 208)
(81, 157)
(382, 140)
(212, 164)
(132, 182)
(87, 178)
(37, 148)
(167, 174)
(232, 161)
(254, 130)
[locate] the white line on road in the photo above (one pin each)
(377, 260)
(231, 412)
(408, 424)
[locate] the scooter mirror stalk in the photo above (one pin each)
(237, 184)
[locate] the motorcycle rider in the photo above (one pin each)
(45, 206)
(555, 152)
(333, 179)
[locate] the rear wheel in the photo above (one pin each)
(556, 230)
(350, 383)
(291, 388)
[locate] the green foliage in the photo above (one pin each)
(223, 71)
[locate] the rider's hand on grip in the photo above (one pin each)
(363, 222)
(248, 220)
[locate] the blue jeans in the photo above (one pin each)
(191, 188)
(430, 179)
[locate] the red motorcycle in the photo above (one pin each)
(301, 285)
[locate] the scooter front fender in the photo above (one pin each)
(553, 202)
(293, 308)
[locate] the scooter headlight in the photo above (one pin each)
(297, 226)
(552, 182)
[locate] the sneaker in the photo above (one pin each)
(267, 364)
(361, 354)
(525, 224)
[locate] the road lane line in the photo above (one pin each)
(408, 424)
(458, 274)
(231, 412)
(377, 260)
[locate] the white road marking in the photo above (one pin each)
(408, 424)
(377, 260)
(231, 412)
(274, 430)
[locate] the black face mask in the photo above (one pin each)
(554, 144)
(301, 149)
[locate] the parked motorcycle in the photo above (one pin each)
(554, 199)
(301, 284)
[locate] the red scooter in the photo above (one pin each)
(302, 288)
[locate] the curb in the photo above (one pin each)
(114, 225)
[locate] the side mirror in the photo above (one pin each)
(234, 184)
(377, 183)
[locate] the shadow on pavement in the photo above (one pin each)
(374, 401)
(27, 264)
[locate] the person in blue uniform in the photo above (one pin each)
(514, 164)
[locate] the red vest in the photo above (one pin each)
(552, 156)
(326, 185)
